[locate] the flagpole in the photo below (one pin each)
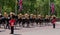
(16, 7)
(49, 8)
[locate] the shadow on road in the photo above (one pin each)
(16, 34)
(16, 29)
(2, 31)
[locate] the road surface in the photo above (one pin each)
(44, 30)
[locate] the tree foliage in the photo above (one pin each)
(31, 6)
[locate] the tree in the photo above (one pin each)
(7, 5)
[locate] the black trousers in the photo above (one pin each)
(53, 25)
(23, 23)
(0, 24)
(7, 25)
(19, 21)
(12, 29)
(27, 23)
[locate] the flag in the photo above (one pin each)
(52, 8)
(20, 5)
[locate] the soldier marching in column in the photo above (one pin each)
(24, 20)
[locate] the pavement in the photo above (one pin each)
(44, 30)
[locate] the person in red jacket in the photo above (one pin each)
(54, 21)
(12, 21)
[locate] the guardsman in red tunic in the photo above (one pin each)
(12, 21)
(53, 21)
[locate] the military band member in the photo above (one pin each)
(46, 19)
(16, 18)
(0, 20)
(6, 20)
(31, 19)
(23, 20)
(34, 19)
(10, 15)
(40, 19)
(19, 18)
(27, 19)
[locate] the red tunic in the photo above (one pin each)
(12, 21)
(53, 21)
